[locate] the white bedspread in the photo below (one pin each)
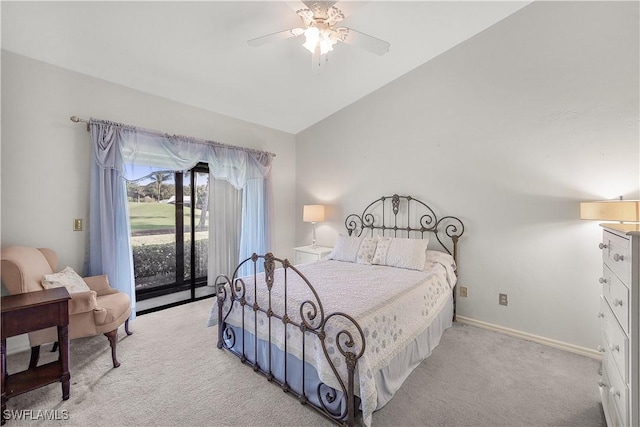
(392, 305)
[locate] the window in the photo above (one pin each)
(169, 237)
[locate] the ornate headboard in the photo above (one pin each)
(404, 216)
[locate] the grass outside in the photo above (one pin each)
(156, 216)
(161, 217)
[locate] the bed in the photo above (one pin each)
(342, 334)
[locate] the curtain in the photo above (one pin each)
(225, 207)
(109, 229)
(253, 235)
(238, 178)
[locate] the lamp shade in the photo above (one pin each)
(313, 213)
(611, 210)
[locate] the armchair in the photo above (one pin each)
(101, 310)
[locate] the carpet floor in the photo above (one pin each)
(172, 374)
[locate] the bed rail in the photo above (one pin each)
(313, 322)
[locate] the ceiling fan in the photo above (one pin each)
(320, 20)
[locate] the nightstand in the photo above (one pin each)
(27, 312)
(305, 254)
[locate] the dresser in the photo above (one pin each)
(620, 330)
(305, 254)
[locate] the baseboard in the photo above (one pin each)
(584, 351)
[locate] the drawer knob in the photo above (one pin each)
(602, 384)
(617, 301)
(618, 257)
(600, 349)
(603, 246)
(614, 392)
(602, 280)
(614, 347)
(600, 315)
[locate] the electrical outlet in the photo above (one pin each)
(77, 224)
(502, 299)
(463, 291)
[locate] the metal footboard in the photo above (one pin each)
(313, 323)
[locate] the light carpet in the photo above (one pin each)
(172, 374)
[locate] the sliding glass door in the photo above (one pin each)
(169, 236)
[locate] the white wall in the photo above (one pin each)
(509, 131)
(45, 156)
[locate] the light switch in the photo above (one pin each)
(77, 224)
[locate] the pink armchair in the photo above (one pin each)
(98, 311)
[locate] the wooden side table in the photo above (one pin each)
(31, 311)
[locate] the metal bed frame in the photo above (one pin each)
(378, 217)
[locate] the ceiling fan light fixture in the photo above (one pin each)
(316, 38)
(312, 35)
(326, 42)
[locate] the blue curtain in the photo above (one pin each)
(116, 147)
(254, 236)
(109, 229)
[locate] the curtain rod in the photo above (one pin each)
(77, 119)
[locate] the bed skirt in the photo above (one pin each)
(387, 380)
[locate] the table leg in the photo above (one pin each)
(3, 377)
(63, 339)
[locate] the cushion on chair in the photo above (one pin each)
(67, 278)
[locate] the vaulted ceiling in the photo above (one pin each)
(196, 52)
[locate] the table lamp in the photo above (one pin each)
(313, 214)
(611, 210)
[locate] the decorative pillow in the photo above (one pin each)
(367, 250)
(444, 259)
(441, 258)
(382, 248)
(407, 253)
(346, 248)
(67, 278)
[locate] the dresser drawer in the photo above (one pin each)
(616, 343)
(616, 255)
(617, 392)
(617, 295)
(611, 411)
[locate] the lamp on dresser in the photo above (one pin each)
(313, 214)
(619, 308)
(611, 210)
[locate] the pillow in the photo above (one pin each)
(346, 248)
(367, 251)
(443, 258)
(382, 248)
(403, 253)
(67, 278)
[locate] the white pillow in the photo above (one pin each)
(67, 278)
(443, 258)
(380, 257)
(402, 253)
(367, 250)
(346, 248)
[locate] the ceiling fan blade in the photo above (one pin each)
(364, 41)
(281, 35)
